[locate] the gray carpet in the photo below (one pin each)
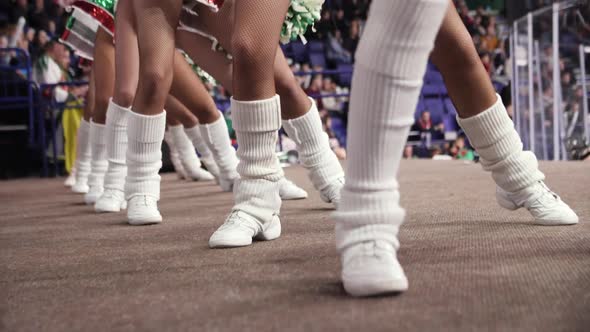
(471, 265)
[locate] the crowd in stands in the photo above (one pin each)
(33, 25)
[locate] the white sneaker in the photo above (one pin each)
(290, 191)
(93, 195)
(227, 182)
(211, 166)
(546, 206)
(80, 187)
(331, 193)
(111, 200)
(371, 268)
(71, 179)
(198, 174)
(240, 228)
(143, 210)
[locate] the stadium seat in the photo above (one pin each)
(315, 46)
(345, 78)
(434, 105)
(299, 51)
(317, 59)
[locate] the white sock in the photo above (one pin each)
(116, 128)
(174, 156)
(314, 149)
(99, 163)
(390, 63)
(194, 134)
(83, 154)
(256, 124)
(186, 149)
(493, 136)
(216, 136)
(144, 154)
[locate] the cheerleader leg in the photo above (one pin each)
(390, 63)
(186, 150)
(104, 79)
(83, 147)
(484, 119)
(156, 23)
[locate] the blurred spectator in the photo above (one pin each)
(424, 124)
(408, 152)
(335, 52)
(351, 42)
(52, 67)
(334, 143)
(460, 151)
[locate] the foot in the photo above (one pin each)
(371, 268)
(211, 166)
(226, 182)
(70, 180)
(240, 228)
(80, 187)
(111, 200)
(331, 193)
(93, 195)
(199, 174)
(290, 191)
(143, 210)
(178, 168)
(546, 206)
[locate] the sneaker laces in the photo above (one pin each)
(240, 219)
(144, 200)
(544, 198)
(376, 249)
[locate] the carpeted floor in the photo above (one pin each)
(471, 265)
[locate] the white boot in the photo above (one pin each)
(390, 63)
(98, 164)
(174, 156)
(113, 197)
(144, 160)
(83, 157)
(516, 172)
(188, 155)
(194, 134)
(71, 179)
(290, 191)
(216, 136)
(255, 214)
(315, 153)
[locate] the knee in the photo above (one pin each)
(251, 52)
(124, 97)
(153, 80)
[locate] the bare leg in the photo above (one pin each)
(104, 74)
(467, 82)
(188, 88)
(126, 55)
(484, 119)
(179, 114)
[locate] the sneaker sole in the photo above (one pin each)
(374, 287)
(144, 221)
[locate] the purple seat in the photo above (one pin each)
(299, 51)
(315, 46)
(450, 123)
(430, 90)
(449, 106)
(434, 105)
(433, 77)
(317, 59)
(345, 78)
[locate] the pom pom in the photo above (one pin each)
(301, 15)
